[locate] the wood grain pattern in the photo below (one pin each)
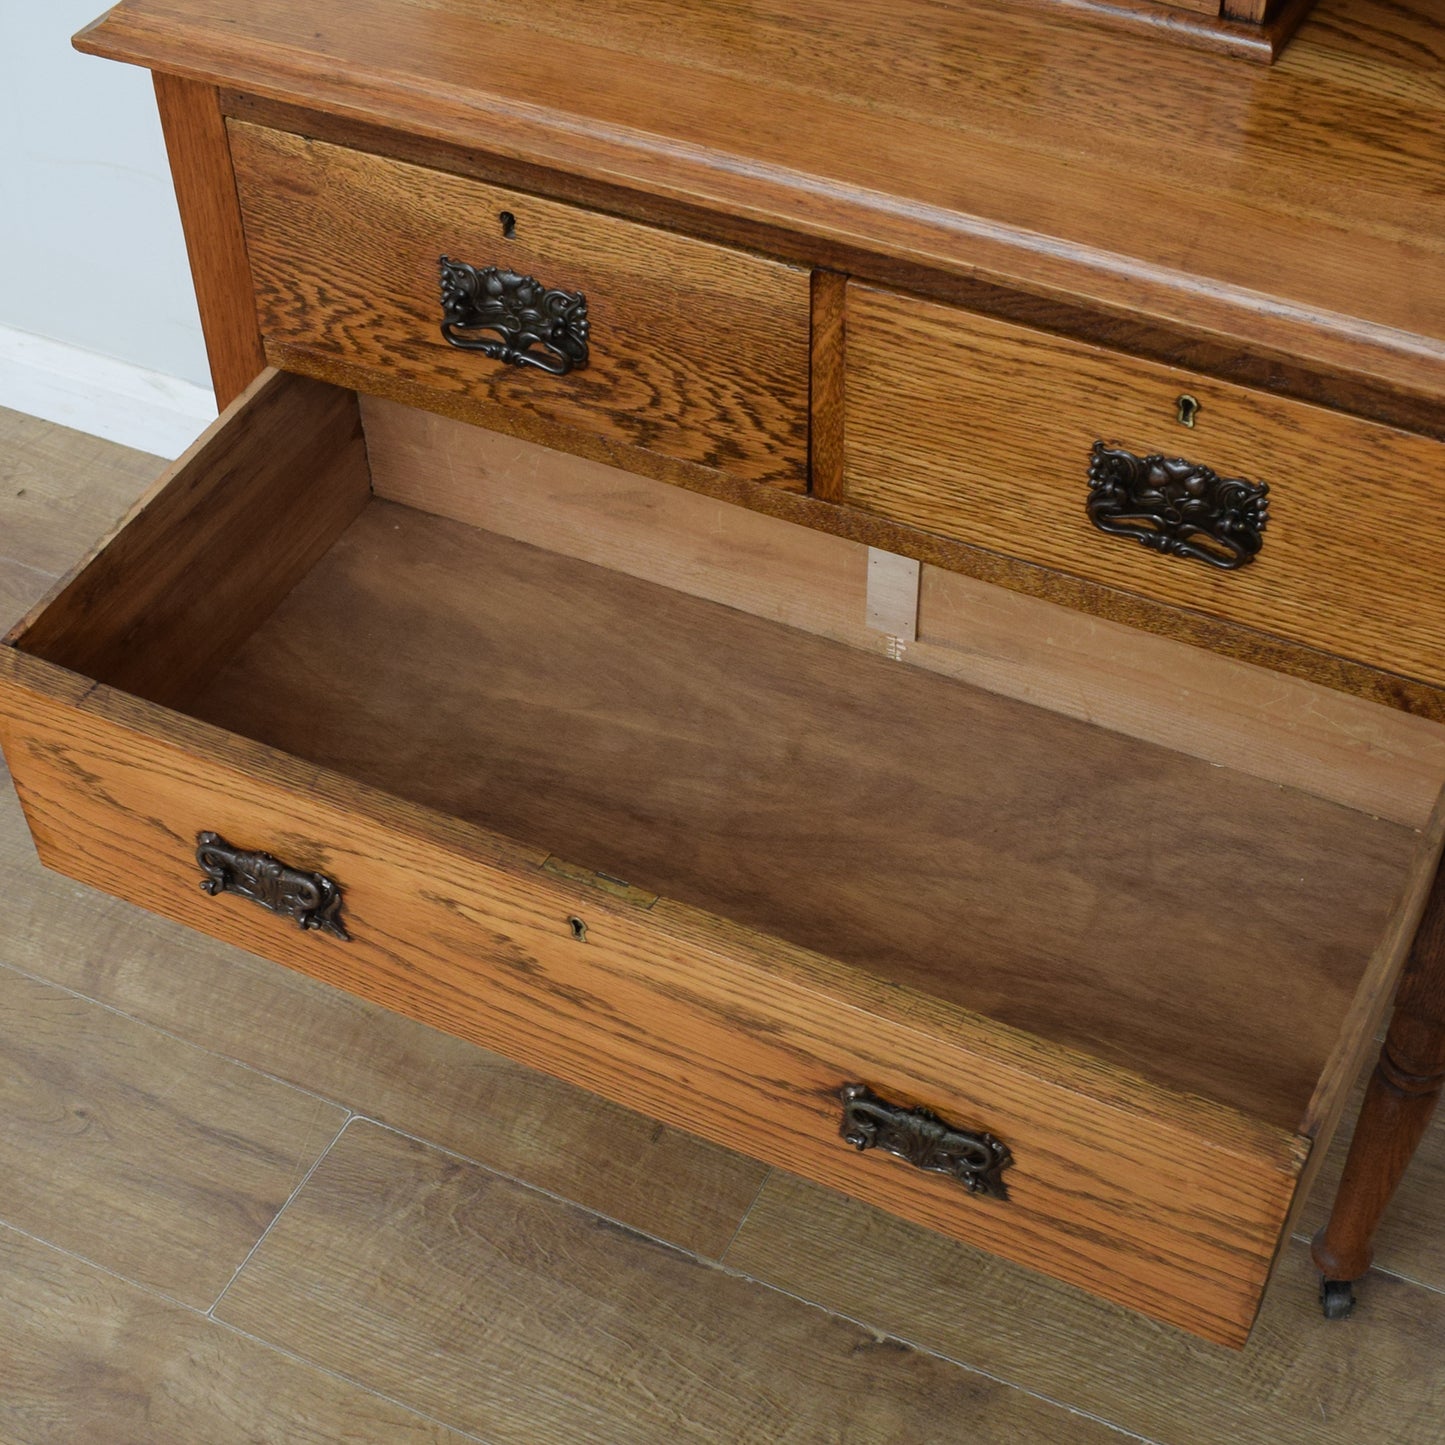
(537, 1129)
(1130, 609)
(215, 544)
(200, 157)
(1409, 1243)
(1297, 1382)
(469, 933)
(1400, 1097)
(991, 442)
(89, 1357)
(530, 1322)
(1175, 343)
(1370, 1378)
(697, 352)
(676, 744)
(1271, 726)
(156, 1159)
(905, 127)
(829, 370)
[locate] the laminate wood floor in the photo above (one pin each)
(238, 1206)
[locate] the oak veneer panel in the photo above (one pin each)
(1255, 720)
(200, 159)
(698, 352)
(89, 1357)
(676, 744)
(215, 543)
(1299, 1381)
(1292, 213)
(468, 932)
(525, 1320)
(991, 442)
(155, 1159)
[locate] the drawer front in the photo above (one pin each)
(984, 431)
(1162, 1204)
(695, 353)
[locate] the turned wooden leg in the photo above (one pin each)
(1398, 1104)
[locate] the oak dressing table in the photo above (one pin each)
(866, 584)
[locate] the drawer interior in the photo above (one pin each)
(1207, 928)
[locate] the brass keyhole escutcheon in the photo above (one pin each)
(1188, 409)
(578, 928)
(509, 224)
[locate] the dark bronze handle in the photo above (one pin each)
(1177, 508)
(524, 314)
(312, 899)
(918, 1135)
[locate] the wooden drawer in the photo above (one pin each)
(983, 431)
(1152, 979)
(697, 354)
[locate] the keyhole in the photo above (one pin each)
(509, 224)
(1188, 409)
(579, 929)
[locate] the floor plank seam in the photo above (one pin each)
(747, 1214)
(206, 1315)
(706, 1263)
(75, 993)
(542, 1189)
(305, 1179)
(349, 1380)
(104, 1269)
(881, 1334)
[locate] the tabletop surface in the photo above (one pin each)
(1300, 207)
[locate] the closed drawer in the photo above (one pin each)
(696, 354)
(984, 431)
(415, 760)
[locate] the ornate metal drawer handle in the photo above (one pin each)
(918, 1135)
(1176, 507)
(524, 314)
(312, 899)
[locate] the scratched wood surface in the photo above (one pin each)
(90, 1355)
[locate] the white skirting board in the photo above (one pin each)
(100, 395)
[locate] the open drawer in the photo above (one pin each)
(714, 867)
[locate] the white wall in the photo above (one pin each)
(91, 253)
